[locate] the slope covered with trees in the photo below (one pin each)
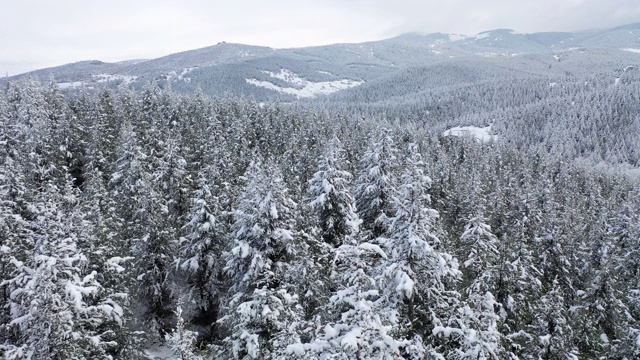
(226, 228)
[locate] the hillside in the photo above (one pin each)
(245, 70)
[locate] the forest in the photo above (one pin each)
(223, 227)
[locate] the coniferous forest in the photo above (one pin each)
(219, 228)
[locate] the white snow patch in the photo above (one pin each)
(350, 340)
(303, 88)
(633, 50)
(70, 85)
(496, 54)
(480, 134)
(483, 35)
(557, 57)
(180, 77)
(161, 352)
(325, 73)
(102, 78)
(617, 81)
(457, 37)
(297, 349)
(553, 84)
(374, 248)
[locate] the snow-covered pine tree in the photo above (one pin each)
(110, 257)
(376, 183)
(416, 278)
(205, 238)
(143, 217)
(604, 323)
(357, 323)
(554, 333)
(56, 308)
(331, 200)
(329, 220)
(183, 341)
(261, 312)
(480, 337)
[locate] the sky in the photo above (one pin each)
(36, 34)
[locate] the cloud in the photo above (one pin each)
(37, 34)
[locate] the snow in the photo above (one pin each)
(330, 332)
(480, 134)
(297, 349)
(457, 37)
(114, 263)
(482, 36)
(496, 54)
(102, 78)
(373, 248)
(70, 85)
(350, 340)
(161, 352)
(180, 77)
(633, 50)
(303, 88)
(99, 78)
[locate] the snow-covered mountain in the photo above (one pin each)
(409, 62)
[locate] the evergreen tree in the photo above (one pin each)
(417, 276)
(374, 187)
(56, 306)
(262, 311)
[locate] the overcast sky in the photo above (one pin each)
(41, 33)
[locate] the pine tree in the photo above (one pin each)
(262, 311)
(56, 307)
(201, 254)
(417, 275)
(374, 187)
(331, 197)
(182, 341)
(358, 324)
(481, 338)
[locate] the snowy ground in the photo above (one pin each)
(161, 352)
(303, 88)
(480, 134)
(99, 78)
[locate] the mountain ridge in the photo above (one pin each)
(241, 69)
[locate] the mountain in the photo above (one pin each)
(406, 64)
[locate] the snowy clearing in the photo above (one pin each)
(174, 76)
(633, 50)
(304, 88)
(102, 78)
(480, 134)
(70, 85)
(457, 37)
